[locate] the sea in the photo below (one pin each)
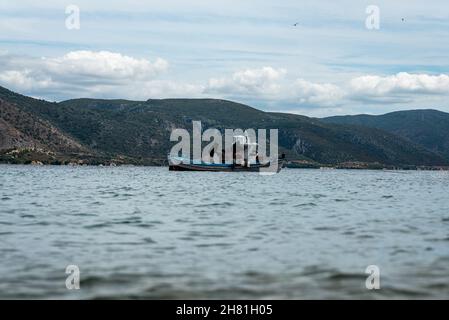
(91, 232)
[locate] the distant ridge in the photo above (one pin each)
(428, 128)
(99, 131)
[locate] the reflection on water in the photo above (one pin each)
(150, 233)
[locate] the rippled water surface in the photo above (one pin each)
(149, 233)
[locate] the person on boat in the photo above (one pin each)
(215, 156)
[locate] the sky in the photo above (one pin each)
(316, 58)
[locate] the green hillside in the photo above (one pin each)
(427, 128)
(138, 131)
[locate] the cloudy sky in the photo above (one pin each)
(247, 51)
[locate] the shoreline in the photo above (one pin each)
(353, 166)
(39, 157)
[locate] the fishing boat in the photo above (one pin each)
(183, 164)
(177, 163)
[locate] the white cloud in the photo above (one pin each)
(403, 82)
(24, 80)
(103, 64)
(270, 83)
(90, 74)
(104, 74)
(318, 94)
(113, 75)
(264, 81)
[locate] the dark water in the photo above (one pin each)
(150, 233)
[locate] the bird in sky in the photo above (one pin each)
(403, 19)
(295, 24)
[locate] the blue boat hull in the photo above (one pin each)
(221, 167)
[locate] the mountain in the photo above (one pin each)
(427, 128)
(137, 132)
(24, 131)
